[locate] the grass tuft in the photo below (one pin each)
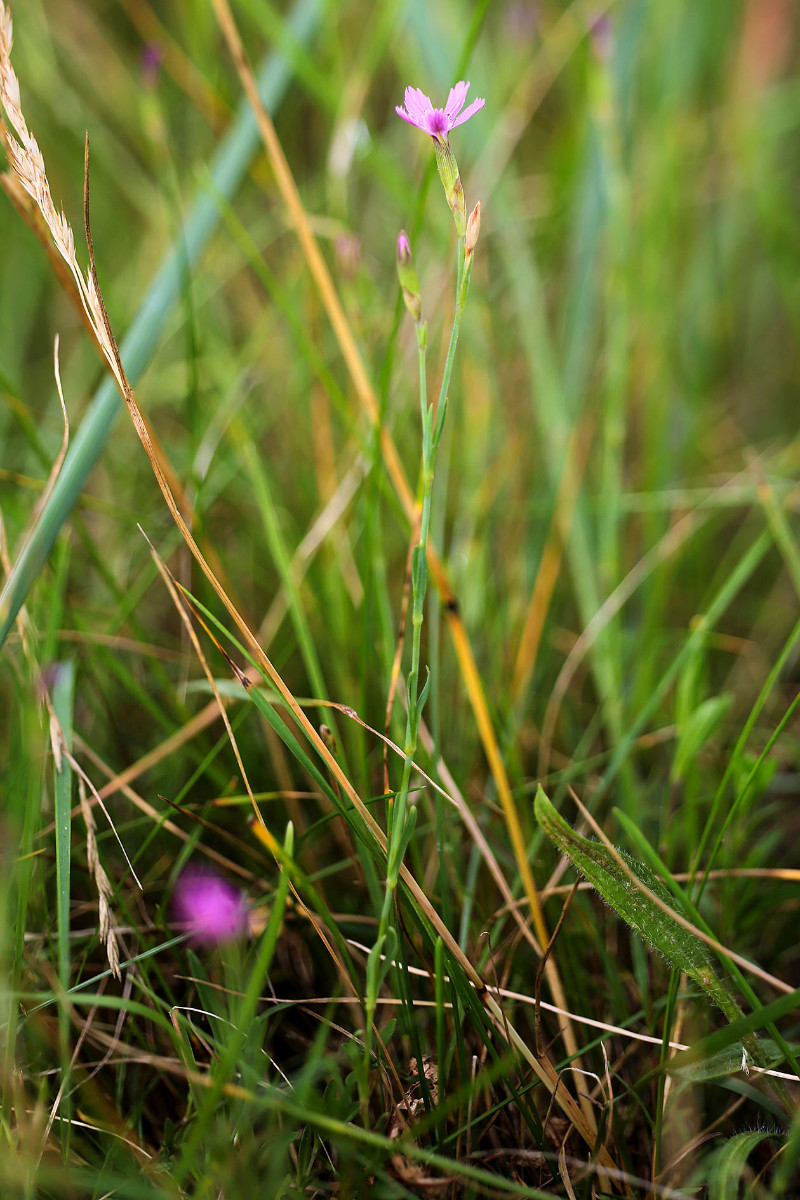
(385, 594)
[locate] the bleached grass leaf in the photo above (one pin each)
(729, 1061)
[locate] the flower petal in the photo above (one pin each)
(419, 111)
(468, 112)
(418, 105)
(401, 112)
(455, 101)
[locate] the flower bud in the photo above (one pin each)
(407, 274)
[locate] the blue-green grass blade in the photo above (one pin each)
(139, 346)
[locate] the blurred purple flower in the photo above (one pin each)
(211, 909)
(438, 122)
(347, 248)
(601, 32)
(150, 61)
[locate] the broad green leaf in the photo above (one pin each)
(738, 1032)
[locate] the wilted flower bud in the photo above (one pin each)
(407, 274)
(473, 231)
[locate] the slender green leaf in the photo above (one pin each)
(699, 728)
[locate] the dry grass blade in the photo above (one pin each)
(157, 816)
(180, 604)
(106, 928)
(62, 451)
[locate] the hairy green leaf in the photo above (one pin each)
(638, 904)
(729, 1162)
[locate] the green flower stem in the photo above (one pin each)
(432, 427)
(401, 822)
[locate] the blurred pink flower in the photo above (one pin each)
(211, 909)
(438, 122)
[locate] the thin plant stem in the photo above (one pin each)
(401, 822)
(432, 428)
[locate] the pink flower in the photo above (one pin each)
(211, 909)
(438, 122)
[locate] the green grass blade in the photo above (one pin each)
(63, 702)
(243, 1015)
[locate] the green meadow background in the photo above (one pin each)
(615, 508)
